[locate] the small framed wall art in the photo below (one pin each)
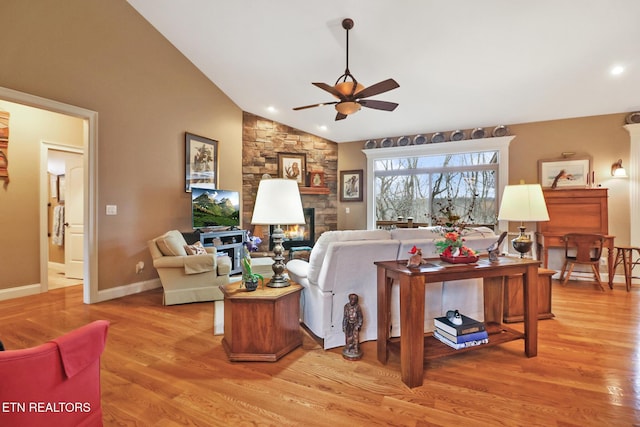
(351, 186)
(61, 188)
(566, 172)
(316, 179)
(201, 161)
(293, 166)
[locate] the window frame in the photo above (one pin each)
(499, 144)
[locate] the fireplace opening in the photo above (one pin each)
(298, 234)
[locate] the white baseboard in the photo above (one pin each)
(19, 291)
(130, 289)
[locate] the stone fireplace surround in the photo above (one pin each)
(262, 139)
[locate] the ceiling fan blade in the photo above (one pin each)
(340, 116)
(378, 105)
(376, 89)
(332, 90)
(314, 105)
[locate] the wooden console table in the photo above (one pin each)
(414, 345)
(262, 325)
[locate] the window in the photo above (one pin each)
(432, 181)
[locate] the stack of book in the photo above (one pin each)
(470, 333)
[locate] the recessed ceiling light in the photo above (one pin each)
(617, 70)
(272, 109)
(322, 127)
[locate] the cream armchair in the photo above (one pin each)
(188, 278)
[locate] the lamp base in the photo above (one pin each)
(522, 243)
(278, 280)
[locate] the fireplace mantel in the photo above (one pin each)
(314, 190)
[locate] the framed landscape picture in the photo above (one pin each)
(201, 161)
(565, 172)
(293, 166)
(351, 186)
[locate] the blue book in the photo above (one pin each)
(460, 345)
(481, 335)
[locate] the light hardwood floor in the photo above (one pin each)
(164, 367)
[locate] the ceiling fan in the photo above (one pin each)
(351, 93)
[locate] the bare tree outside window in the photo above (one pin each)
(461, 186)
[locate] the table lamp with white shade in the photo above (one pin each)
(524, 202)
(278, 203)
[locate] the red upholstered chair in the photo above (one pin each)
(56, 383)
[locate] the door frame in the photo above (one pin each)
(90, 183)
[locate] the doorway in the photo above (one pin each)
(65, 216)
(90, 149)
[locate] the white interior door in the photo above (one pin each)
(74, 219)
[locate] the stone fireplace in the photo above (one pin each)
(262, 140)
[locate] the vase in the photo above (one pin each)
(251, 285)
(459, 259)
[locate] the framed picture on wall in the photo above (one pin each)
(570, 172)
(61, 188)
(351, 186)
(316, 179)
(293, 166)
(201, 161)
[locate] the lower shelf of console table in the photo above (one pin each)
(434, 349)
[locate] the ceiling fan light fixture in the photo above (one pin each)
(347, 108)
(346, 88)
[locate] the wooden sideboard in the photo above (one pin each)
(581, 210)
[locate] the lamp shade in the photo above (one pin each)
(278, 203)
(523, 202)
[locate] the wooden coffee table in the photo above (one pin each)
(263, 325)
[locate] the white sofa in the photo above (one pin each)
(342, 262)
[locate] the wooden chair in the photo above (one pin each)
(583, 249)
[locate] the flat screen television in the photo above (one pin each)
(217, 209)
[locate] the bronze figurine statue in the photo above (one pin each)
(351, 325)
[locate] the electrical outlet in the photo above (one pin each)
(139, 267)
(603, 261)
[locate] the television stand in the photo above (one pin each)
(230, 242)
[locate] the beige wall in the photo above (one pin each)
(103, 56)
(601, 137)
(19, 200)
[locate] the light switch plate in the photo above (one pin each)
(112, 210)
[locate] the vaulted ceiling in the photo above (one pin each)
(460, 64)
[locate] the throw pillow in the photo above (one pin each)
(172, 243)
(195, 249)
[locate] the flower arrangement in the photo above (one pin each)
(253, 242)
(451, 226)
(453, 244)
